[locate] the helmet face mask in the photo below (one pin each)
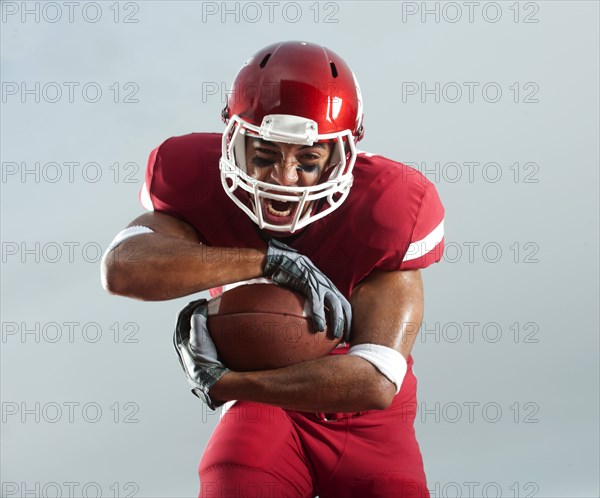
(262, 105)
(251, 194)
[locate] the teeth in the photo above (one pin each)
(274, 211)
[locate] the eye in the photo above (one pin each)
(309, 163)
(309, 168)
(310, 157)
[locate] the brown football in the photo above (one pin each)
(265, 326)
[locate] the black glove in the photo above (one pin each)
(197, 352)
(289, 268)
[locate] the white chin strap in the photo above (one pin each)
(287, 129)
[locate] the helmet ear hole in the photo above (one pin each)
(225, 114)
(360, 132)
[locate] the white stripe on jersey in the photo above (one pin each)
(421, 247)
(145, 198)
(364, 153)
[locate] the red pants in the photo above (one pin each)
(261, 451)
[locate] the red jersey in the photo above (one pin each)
(392, 219)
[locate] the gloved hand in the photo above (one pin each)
(289, 268)
(197, 352)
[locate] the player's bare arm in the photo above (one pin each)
(171, 262)
(387, 310)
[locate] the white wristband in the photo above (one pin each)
(127, 233)
(387, 360)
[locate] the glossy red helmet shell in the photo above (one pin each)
(299, 79)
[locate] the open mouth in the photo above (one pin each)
(279, 208)
(279, 212)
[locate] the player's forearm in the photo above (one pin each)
(337, 383)
(157, 267)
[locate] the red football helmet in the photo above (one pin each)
(299, 93)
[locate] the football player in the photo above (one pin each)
(284, 193)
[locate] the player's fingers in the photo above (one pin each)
(200, 343)
(182, 329)
(317, 306)
(336, 314)
(347, 319)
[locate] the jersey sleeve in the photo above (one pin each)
(427, 240)
(144, 194)
(182, 174)
(183, 180)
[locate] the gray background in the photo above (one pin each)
(507, 360)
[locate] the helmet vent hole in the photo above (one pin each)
(333, 69)
(263, 63)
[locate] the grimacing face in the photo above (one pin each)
(288, 165)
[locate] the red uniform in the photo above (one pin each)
(391, 220)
